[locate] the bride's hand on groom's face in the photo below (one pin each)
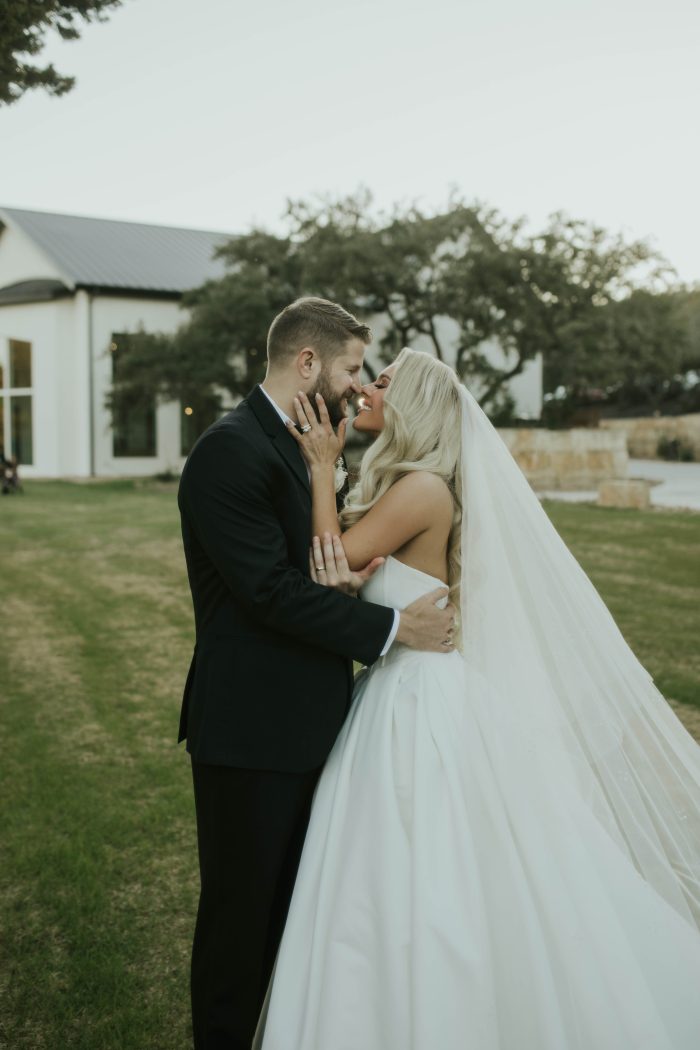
(320, 445)
(329, 566)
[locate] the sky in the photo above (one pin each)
(212, 115)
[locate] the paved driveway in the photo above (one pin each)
(675, 484)
(678, 483)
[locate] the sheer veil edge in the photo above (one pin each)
(561, 676)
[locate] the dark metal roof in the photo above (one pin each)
(107, 253)
(33, 291)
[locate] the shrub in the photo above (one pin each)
(672, 448)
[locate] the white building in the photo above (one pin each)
(70, 289)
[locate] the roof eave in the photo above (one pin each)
(41, 290)
(7, 220)
(134, 293)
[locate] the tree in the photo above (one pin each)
(658, 353)
(651, 346)
(394, 265)
(546, 293)
(218, 353)
(334, 249)
(592, 275)
(686, 308)
(24, 26)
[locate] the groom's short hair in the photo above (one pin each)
(310, 321)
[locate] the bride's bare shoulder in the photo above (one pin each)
(425, 487)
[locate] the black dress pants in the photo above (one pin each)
(250, 831)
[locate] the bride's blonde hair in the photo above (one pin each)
(422, 431)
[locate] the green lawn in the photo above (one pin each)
(646, 566)
(98, 879)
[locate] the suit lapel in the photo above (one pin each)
(277, 432)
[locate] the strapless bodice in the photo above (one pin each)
(397, 585)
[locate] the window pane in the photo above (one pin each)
(133, 421)
(134, 431)
(194, 420)
(20, 363)
(21, 417)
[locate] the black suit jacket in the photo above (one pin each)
(271, 677)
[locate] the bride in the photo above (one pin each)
(504, 845)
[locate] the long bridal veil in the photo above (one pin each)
(563, 679)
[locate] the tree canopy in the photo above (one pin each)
(588, 301)
(24, 27)
(658, 361)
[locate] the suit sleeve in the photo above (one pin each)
(228, 502)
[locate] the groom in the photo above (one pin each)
(271, 678)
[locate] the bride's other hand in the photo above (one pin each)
(328, 565)
(320, 445)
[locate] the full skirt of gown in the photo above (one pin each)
(451, 896)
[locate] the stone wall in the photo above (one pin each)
(576, 459)
(625, 492)
(643, 434)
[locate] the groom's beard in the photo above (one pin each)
(333, 401)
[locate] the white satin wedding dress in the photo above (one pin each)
(455, 892)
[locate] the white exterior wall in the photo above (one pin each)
(58, 401)
(119, 314)
(72, 369)
(22, 260)
(59, 396)
(59, 333)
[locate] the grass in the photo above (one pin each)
(646, 566)
(98, 884)
(99, 879)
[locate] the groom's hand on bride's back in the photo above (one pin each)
(424, 626)
(421, 625)
(328, 565)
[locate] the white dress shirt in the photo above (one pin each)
(397, 616)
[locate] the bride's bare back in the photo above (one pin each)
(412, 521)
(427, 550)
